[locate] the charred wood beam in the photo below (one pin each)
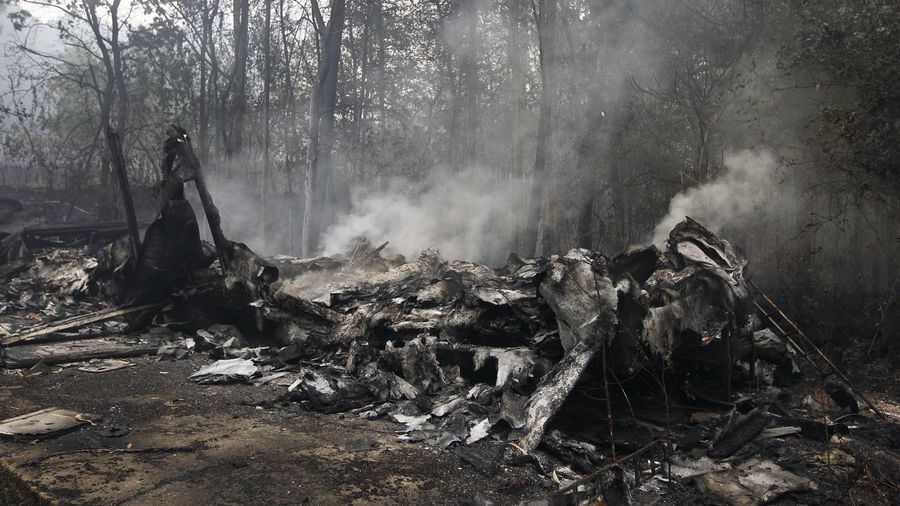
(179, 146)
(75, 322)
(77, 228)
(59, 337)
(214, 219)
(118, 159)
(103, 229)
(88, 349)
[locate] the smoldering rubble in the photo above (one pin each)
(550, 358)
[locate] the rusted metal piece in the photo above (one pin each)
(787, 338)
(795, 329)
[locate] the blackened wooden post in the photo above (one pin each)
(192, 166)
(214, 220)
(118, 159)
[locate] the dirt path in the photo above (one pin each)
(245, 448)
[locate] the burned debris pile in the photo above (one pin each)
(587, 364)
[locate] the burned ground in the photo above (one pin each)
(245, 446)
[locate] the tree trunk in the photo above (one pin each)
(454, 146)
(321, 127)
(516, 91)
(107, 206)
(362, 101)
(546, 22)
(119, 73)
(267, 141)
(378, 74)
(239, 105)
(590, 150)
(469, 71)
(203, 120)
(292, 144)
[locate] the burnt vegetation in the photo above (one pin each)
(597, 252)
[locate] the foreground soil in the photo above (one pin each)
(221, 444)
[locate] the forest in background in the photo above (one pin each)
(484, 127)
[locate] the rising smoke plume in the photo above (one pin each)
(749, 189)
(466, 214)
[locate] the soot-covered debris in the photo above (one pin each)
(610, 376)
(459, 354)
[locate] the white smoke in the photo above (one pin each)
(466, 214)
(750, 189)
